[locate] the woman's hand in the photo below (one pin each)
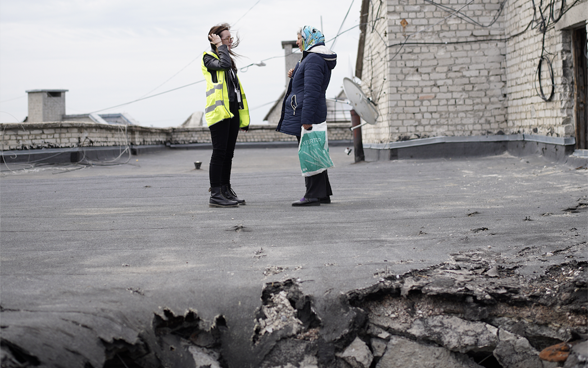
(290, 73)
(214, 38)
(307, 126)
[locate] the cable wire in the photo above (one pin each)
(144, 98)
(238, 20)
(465, 17)
(170, 78)
(12, 99)
(342, 23)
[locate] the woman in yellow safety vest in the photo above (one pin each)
(226, 112)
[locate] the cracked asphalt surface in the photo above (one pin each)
(106, 247)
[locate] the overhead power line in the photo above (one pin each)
(12, 99)
(144, 98)
(170, 78)
(243, 16)
(341, 26)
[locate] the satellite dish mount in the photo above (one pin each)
(363, 106)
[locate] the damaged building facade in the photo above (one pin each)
(464, 71)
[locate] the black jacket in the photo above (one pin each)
(225, 63)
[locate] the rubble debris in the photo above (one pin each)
(289, 333)
(260, 254)
(476, 310)
(515, 351)
(502, 321)
(188, 341)
(204, 358)
(238, 228)
(493, 272)
(136, 291)
(12, 355)
(578, 357)
(582, 206)
(556, 353)
(120, 351)
(402, 352)
(479, 229)
(455, 334)
(285, 311)
(274, 270)
(277, 315)
(357, 354)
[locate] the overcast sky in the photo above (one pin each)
(110, 52)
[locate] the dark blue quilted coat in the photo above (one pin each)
(305, 101)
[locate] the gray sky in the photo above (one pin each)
(110, 52)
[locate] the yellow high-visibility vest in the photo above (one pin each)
(217, 97)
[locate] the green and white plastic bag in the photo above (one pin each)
(313, 150)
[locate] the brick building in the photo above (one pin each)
(472, 71)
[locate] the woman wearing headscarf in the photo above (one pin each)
(305, 103)
(226, 112)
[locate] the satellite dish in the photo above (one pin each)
(363, 106)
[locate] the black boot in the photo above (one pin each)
(218, 200)
(307, 202)
(229, 193)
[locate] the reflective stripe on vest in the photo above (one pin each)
(213, 90)
(213, 107)
(217, 97)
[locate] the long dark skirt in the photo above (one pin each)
(317, 186)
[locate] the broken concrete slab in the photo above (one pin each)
(402, 352)
(515, 352)
(455, 334)
(578, 357)
(357, 354)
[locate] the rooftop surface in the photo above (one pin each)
(108, 246)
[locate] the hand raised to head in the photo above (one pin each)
(214, 38)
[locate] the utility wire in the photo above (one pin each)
(342, 23)
(429, 27)
(465, 17)
(12, 99)
(245, 13)
(170, 78)
(543, 19)
(190, 63)
(265, 104)
(144, 98)
(200, 81)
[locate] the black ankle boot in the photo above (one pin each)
(229, 193)
(218, 200)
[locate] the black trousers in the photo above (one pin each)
(224, 138)
(317, 186)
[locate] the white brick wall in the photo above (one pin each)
(527, 112)
(461, 89)
(435, 89)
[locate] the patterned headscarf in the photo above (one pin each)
(310, 37)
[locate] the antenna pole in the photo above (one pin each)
(357, 139)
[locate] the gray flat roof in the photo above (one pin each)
(97, 252)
